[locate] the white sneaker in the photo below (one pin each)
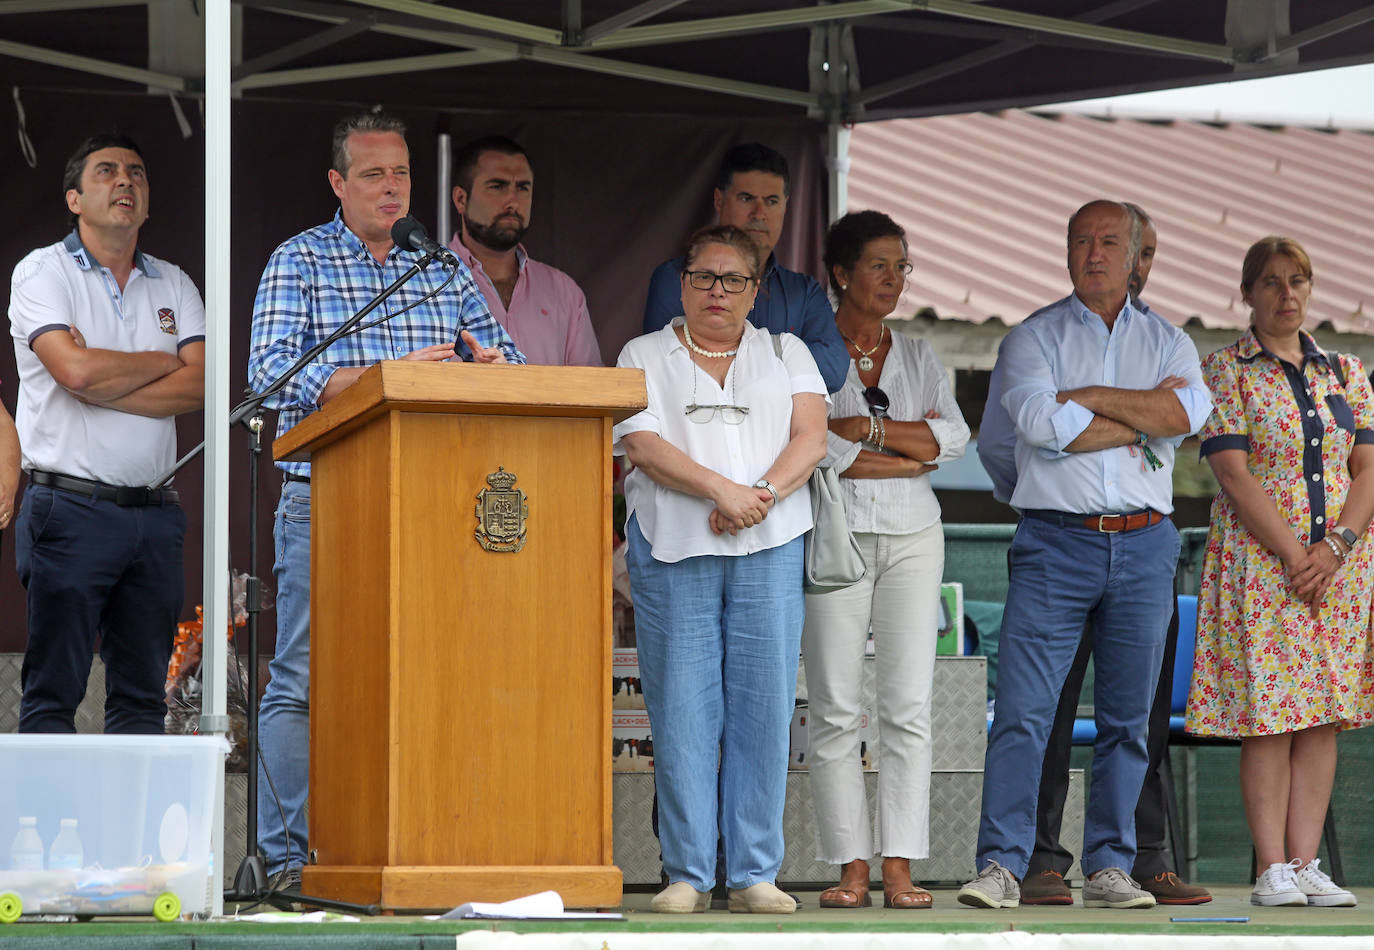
(1321, 891)
(1278, 887)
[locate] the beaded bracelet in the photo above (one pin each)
(1335, 548)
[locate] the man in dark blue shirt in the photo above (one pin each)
(751, 194)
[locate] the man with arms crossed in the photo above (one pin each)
(110, 346)
(312, 284)
(1044, 883)
(1099, 392)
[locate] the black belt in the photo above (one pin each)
(129, 496)
(293, 477)
(1107, 523)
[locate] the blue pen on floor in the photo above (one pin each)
(1209, 920)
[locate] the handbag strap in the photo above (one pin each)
(1333, 359)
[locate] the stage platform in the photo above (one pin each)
(947, 924)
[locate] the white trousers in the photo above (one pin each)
(899, 598)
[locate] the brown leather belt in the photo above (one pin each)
(1107, 524)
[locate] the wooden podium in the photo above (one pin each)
(460, 712)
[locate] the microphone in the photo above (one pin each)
(410, 234)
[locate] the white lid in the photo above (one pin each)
(68, 822)
(28, 820)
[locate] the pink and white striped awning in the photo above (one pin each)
(985, 198)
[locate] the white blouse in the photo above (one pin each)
(915, 382)
(675, 523)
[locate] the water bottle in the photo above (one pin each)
(66, 853)
(26, 853)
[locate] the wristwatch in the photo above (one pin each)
(765, 483)
(1346, 535)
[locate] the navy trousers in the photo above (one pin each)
(92, 567)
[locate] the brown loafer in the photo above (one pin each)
(1168, 889)
(911, 898)
(841, 896)
(1047, 887)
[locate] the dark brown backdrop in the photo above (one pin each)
(614, 196)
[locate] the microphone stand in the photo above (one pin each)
(250, 881)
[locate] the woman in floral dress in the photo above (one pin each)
(1283, 656)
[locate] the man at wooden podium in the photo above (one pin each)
(312, 284)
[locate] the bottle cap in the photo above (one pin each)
(68, 823)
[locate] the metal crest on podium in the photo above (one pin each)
(501, 513)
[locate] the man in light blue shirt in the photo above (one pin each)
(1044, 879)
(1099, 393)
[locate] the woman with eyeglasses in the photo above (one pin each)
(892, 423)
(732, 431)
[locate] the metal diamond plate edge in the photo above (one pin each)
(958, 719)
(955, 803)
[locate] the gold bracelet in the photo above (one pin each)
(882, 434)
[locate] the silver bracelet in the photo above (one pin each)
(872, 430)
(1335, 548)
(882, 434)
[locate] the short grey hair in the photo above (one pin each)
(1140, 213)
(357, 124)
(1133, 247)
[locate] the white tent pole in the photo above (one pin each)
(214, 718)
(443, 217)
(837, 75)
(837, 169)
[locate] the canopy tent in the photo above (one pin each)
(853, 60)
(818, 66)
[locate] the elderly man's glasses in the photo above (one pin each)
(705, 280)
(877, 400)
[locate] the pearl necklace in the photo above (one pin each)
(687, 335)
(865, 360)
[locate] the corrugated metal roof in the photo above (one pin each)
(985, 199)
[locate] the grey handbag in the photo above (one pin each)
(833, 558)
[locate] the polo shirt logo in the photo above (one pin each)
(167, 320)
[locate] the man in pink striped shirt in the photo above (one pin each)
(542, 309)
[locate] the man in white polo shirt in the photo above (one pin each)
(110, 345)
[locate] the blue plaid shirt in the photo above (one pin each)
(318, 279)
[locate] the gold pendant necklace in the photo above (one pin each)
(865, 360)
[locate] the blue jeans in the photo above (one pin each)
(719, 639)
(284, 717)
(91, 566)
(1122, 585)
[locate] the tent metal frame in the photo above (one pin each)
(486, 39)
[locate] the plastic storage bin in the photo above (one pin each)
(144, 808)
